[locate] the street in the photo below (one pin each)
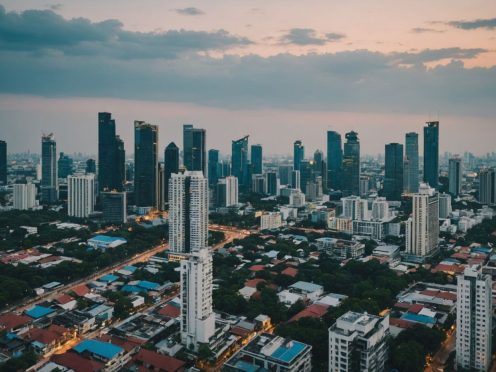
(440, 358)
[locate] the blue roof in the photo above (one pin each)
(482, 250)
(100, 348)
(418, 318)
(132, 289)
(109, 278)
(306, 286)
(147, 285)
(38, 311)
(246, 367)
(130, 268)
(106, 239)
(287, 354)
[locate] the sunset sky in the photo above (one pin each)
(278, 70)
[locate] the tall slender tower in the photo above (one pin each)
(411, 169)
(171, 166)
(487, 186)
(49, 181)
(213, 167)
(431, 154)
(351, 165)
(194, 147)
(298, 154)
(257, 159)
(3, 163)
(111, 155)
(455, 173)
(80, 195)
(393, 179)
(334, 160)
(239, 162)
(188, 224)
(145, 164)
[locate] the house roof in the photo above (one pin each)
(76, 362)
(252, 283)
(81, 290)
(290, 271)
(158, 361)
(46, 335)
(127, 343)
(170, 311)
(257, 268)
(313, 311)
(38, 311)
(415, 308)
(11, 321)
(100, 348)
(64, 298)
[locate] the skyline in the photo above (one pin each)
(253, 68)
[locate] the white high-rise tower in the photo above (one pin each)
(474, 320)
(80, 195)
(188, 231)
(24, 196)
(422, 228)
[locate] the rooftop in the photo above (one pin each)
(306, 286)
(103, 349)
(276, 347)
(106, 239)
(38, 311)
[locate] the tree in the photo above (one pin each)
(408, 357)
(204, 352)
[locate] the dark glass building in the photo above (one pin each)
(256, 159)
(111, 155)
(334, 160)
(3, 163)
(49, 182)
(114, 206)
(64, 165)
(194, 150)
(90, 166)
(298, 154)
(213, 167)
(351, 165)
(271, 183)
(239, 162)
(393, 178)
(145, 164)
(411, 168)
(431, 154)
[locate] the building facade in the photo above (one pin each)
(298, 154)
(411, 167)
(239, 160)
(114, 206)
(49, 178)
(194, 148)
(393, 176)
(3, 162)
(487, 186)
(455, 173)
(257, 159)
(431, 154)
(80, 195)
(145, 164)
(24, 196)
(334, 160)
(351, 165)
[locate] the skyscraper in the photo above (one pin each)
(285, 174)
(145, 164)
(271, 183)
(111, 173)
(487, 186)
(444, 205)
(213, 167)
(431, 154)
(393, 178)
(227, 192)
(24, 196)
(90, 166)
(351, 165)
(474, 320)
(119, 175)
(295, 180)
(3, 162)
(194, 148)
(239, 161)
(455, 173)
(411, 169)
(422, 228)
(80, 195)
(49, 182)
(114, 206)
(334, 160)
(171, 166)
(257, 159)
(298, 154)
(307, 174)
(64, 165)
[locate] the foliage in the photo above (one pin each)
(21, 363)
(122, 303)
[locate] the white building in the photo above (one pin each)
(188, 226)
(80, 195)
(24, 196)
(474, 320)
(358, 339)
(270, 220)
(355, 208)
(380, 209)
(297, 198)
(188, 206)
(444, 205)
(422, 228)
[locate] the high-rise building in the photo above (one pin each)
(80, 195)
(171, 166)
(298, 154)
(24, 196)
(474, 320)
(358, 342)
(307, 174)
(351, 165)
(257, 159)
(188, 226)
(114, 206)
(239, 160)
(64, 165)
(227, 192)
(258, 184)
(380, 209)
(270, 220)
(431, 154)
(194, 148)
(422, 228)
(487, 186)
(455, 173)
(111, 155)
(271, 187)
(145, 164)
(188, 211)
(90, 166)
(213, 167)
(444, 205)
(393, 178)
(49, 181)
(295, 180)
(355, 208)
(3, 162)
(285, 174)
(334, 160)
(411, 169)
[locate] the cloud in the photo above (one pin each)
(489, 24)
(43, 31)
(55, 7)
(308, 36)
(422, 30)
(433, 55)
(189, 11)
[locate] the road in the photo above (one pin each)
(230, 234)
(440, 358)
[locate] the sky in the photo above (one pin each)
(278, 70)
